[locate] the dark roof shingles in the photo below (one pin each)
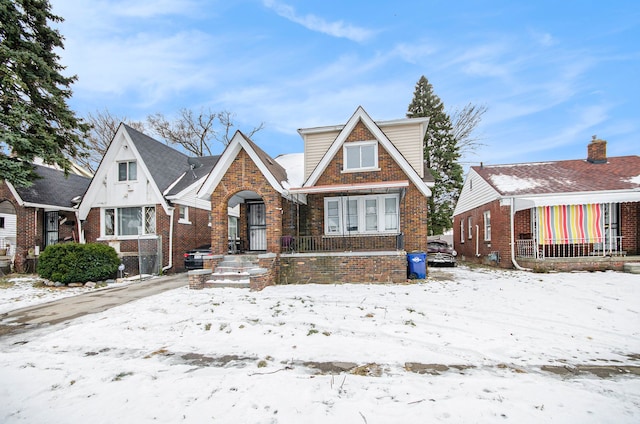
(53, 188)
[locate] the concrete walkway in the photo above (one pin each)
(68, 308)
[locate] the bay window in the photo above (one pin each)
(372, 214)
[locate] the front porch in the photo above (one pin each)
(323, 243)
(574, 255)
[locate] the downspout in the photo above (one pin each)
(511, 235)
(171, 210)
(477, 241)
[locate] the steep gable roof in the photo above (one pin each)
(272, 170)
(361, 116)
(164, 163)
(52, 190)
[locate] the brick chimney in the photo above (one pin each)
(597, 151)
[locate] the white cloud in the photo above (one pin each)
(314, 23)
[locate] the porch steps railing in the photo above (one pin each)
(363, 243)
(570, 248)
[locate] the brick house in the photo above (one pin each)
(562, 215)
(346, 210)
(32, 218)
(142, 202)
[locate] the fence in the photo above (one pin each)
(570, 248)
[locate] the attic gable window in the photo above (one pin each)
(127, 171)
(361, 155)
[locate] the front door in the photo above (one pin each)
(257, 220)
(50, 228)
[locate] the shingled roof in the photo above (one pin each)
(205, 165)
(165, 164)
(53, 188)
(568, 176)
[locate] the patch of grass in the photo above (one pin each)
(122, 375)
(410, 322)
(312, 331)
(207, 326)
(262, 363)
(5, 283)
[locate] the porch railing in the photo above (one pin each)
(570, 248)
(363, 243)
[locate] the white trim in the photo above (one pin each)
(238, 142)
(121, 137)
(350, 187)
(361, 115)
(360, 144)
(361, 211)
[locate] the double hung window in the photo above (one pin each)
(361, 214)
(127, 171)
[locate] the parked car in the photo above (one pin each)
(441, 253)
(193, 258)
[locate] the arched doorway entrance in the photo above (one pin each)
(250, 228)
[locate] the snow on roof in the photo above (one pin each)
(511, 183)
(635, 180)
(293, 163)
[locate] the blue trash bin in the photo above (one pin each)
(417, 262)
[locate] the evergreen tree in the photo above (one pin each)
(441, 154)
(35, 119)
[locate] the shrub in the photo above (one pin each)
(78, 263)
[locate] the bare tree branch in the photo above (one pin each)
(104, 125)
(464, 122)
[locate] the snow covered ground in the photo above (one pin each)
(484, 337)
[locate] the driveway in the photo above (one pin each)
(72, 307)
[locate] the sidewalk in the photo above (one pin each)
(69, 308)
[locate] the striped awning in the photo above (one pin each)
(565, 224)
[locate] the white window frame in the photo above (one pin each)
(129, 164)
(469, 227)
(183, 214)
(341, 204)
(486, 216)
(116, 222)
(359, 145)
(462, 230)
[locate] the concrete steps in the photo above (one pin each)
(632, 267)
(235, 271)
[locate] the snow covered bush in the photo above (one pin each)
(78, 263)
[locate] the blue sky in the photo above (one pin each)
(552, 73)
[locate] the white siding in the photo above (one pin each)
(475, 192)
(315, 146)
(9, 232)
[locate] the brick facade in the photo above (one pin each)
(244, 174)
(629, 222)
(413, 206)
(345, 268)
(30, 230)
(185, 237)
(497, 250)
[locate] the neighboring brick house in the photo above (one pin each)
(345, 211)
(34, 217)
(142, 202)
(562, 215)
